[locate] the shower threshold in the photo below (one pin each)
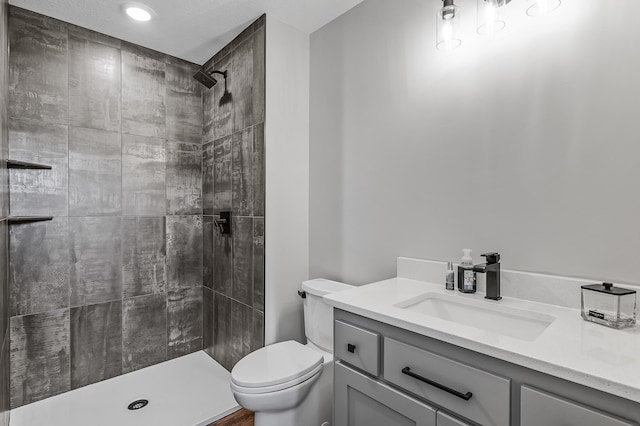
(192, 390)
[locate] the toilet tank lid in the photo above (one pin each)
(320, 287)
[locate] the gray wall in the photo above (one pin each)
(526, 143)
(114, 282)
(233, 180)
(4, 213)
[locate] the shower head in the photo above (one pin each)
(207, 79)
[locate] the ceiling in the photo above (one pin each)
(189, 29)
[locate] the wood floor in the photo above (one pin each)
(239, 418)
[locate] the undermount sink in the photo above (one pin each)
(505, 320)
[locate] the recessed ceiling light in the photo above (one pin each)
(138, 11)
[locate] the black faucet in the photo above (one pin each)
(492, 269)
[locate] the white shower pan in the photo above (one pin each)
(192, 390)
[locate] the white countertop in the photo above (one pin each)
(570, 348)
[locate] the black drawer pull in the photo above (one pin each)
(466, 396)
(351, 348)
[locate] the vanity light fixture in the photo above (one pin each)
(138, 11)
(490, 16)
(490, 19)
(448, 26)
(542, 7)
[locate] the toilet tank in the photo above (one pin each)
(318, 316)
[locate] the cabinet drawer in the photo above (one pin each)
(357, 346)
(362, 401)
(446, 420)
(539, 408)
(436, 379)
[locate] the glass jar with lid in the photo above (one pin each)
(608, 305)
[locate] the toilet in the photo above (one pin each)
(288, 383)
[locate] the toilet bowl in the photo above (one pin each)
(288, 383)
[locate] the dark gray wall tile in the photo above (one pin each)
(4, 155)
(144, 53)
(143, 253)
(96, 343)
(39, 356)
(208, 228)
(241, 172)
(222, 195)
(241, 331)
(95, 172)
(208, 170)
(257, 338)
(243, 86)
(5, 401)
(223, 99)
(143, 93)
(57, 68)
(209, 107)
(222, 333)
(79, 32)
(243, 260)
(258, 263)
(184, 178)
(94, 85)
(258, 170)
(39, 192)
(144, 331)
(207, 321)
(233, 45)
(184, 252)
(184, 321)
(259, 73)
(222, 263)
(259, 23)
(5, 378)
(5, 283)
(38, 82)
(96, 260)
(143, 176)
(39, 267)
(235, 122)
(184, 104)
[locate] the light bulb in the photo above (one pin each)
(490, 19)
(448, 27)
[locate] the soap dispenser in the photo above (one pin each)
(466, 274)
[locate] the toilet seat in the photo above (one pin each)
(278, 387)
(275, 367)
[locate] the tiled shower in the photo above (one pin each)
(132, 270)
(4, 213)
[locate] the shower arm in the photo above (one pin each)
(223, 74)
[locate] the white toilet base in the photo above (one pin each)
(315, 410)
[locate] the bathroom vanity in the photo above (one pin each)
(410, 353)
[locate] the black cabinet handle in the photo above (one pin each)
(351, 348)
(466, 396)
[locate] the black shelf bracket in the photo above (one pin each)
(16, 220)
(15, 164)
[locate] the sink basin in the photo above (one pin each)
(505, 320)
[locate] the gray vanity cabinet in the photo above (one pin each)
(362, 401)
(388, 376)
(540, 408)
